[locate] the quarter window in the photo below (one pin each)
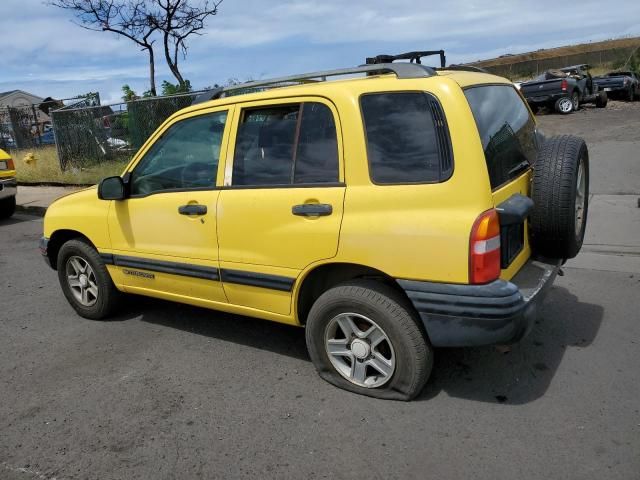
(286, 145)
(506, 129)
(407, 140)
(185, 156)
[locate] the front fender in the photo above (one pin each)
(81, 212)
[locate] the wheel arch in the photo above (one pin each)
(59, 238)
(322, 277)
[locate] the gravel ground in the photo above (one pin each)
(169, 391)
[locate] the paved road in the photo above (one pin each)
(168, 391)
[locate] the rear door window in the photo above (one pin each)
(506, 129)
(286, 145)
(407, 138)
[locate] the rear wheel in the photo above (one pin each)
(560, 193)
(631, 94)
(364, 337)
(564, 105)
(601, 100)
(85, 281)
(7, 207)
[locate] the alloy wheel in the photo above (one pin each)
(360, 350)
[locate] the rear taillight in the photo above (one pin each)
(10, 165)
(484, 248)
(564, 85)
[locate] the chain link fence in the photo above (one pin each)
(25, 126)
(88, 135)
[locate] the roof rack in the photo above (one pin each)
(413, 57)
(465, 68)
(401, 70)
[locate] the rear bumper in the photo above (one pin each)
(8, 188)
(546, 99)
(499, 312)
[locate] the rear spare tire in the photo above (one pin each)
(560, 192)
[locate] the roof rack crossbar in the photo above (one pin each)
(401, 70)
(413, 57)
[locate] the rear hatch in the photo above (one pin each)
(540, 90)
(510, 142)
(609, 82)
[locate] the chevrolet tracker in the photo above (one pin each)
(400, 209)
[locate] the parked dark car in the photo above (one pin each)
(563, 90)
(622, 84)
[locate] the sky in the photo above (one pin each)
(43, 52)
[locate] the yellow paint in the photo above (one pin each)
(406, 231)
(6, 173)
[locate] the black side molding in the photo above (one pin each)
(174, 268)
(273, 282)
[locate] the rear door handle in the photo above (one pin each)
(192, 210)
(312, 209)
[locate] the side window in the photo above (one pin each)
(407, 138)
(286, 145)
(506, 129)
(185, 156)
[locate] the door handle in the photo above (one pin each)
(312, 209)
(192, 209)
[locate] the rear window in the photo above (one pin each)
(506, 129)
(407, 139)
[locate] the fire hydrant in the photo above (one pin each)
(30, 159)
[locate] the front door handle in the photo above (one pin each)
(312, 209)
(192, 209)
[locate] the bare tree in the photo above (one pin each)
(130, 18)
(178, 20)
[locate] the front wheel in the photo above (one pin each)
(364, 337)
(85, 281)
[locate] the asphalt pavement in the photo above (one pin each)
(166, 391)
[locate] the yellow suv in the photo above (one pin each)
(8, 185)
(387, 213)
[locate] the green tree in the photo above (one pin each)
(128, 94)
(169, 88)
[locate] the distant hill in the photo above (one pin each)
(606, 55)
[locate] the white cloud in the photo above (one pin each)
(42, 48)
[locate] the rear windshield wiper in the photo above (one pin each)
(521, 167)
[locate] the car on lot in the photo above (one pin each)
(8, 185)
(563, 90)
(397, 210)
(622, 84)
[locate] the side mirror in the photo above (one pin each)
(111, 188)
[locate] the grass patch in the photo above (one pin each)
(46, 168)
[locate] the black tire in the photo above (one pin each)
(7, 207)
(575, 99)
(534, 108)
(107, 294)
(631, 94)
(564, 105)
(601, 100)
(555, 232)
(394, 315)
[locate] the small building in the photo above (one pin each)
(22, 100)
